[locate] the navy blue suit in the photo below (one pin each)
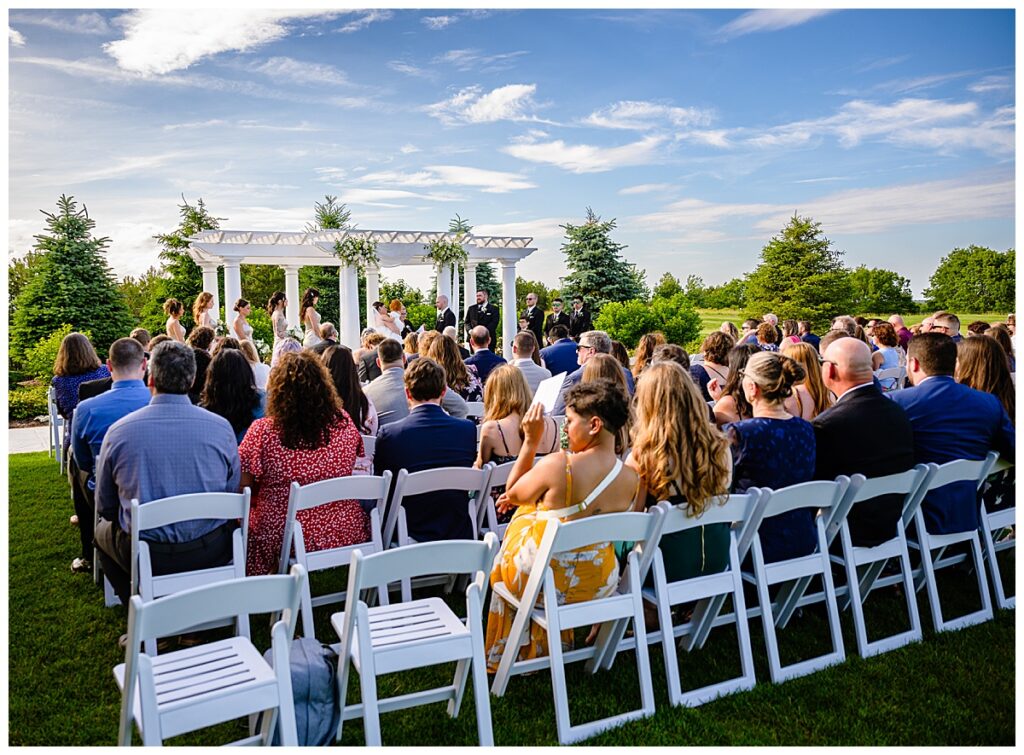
(560, 356)
(427, 439)
(485, 360)
(812, 339)
(575, 377)
(951, 421)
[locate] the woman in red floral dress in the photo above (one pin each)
(305, 437)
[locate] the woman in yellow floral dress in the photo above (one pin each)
(588, 480)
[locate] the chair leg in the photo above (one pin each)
(668, 645)
(768, 623)
(979, 563)
(481, 694)
(928, 576)
(368, 687)
(643, 659)
(458, 687)
(558, 686)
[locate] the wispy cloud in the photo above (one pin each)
(488, 181)
(369, 17)
(436, 23)
(302, 72)
(79, 23)
(639, 115)
(189, 125)
(15, 38)
(386, 197)
(992, 84)
(411, 70)
(645, 189)
(471, 59)
(121, 168)
(408, 149)
(513, 102)
(588, 158)
(880, 63)
(768, 20)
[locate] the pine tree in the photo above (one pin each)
(597, 270)
(71, 283)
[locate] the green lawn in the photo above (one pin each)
(954, 689)
(712, 319)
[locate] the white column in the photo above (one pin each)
(291, 291)
(232, 291)
(469, 283)
(348, 300)
(372, 292)
(456, 304)
(444, 282)
(210, 284)
(509, 316)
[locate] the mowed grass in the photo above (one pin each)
(953, 689)
(712, 319)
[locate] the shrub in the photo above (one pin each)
(422, 314)
(27, 402)
(628, 321)
(39, 359)
(262, 328)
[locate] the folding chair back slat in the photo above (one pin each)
(443, 556)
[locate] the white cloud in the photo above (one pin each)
(408, 149)
(382, 196)
(438, 22)
(302, 72)
(211, 123)
(642, 116)
(709, 137)
(991, 84)
(302, 127)
(365, 20)
(489, 181)
(15, 38)
(125, 166)
(82, 23)
(410, 70)
(587, 158)
(161, 40)
(470, 59)
(330, 174)
(874, 65)
(645, 189)
(768, 20)
(471, 105)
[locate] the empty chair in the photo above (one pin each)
(1001, 519)
(305, 497)
(625, 603)
(412, 634)
(220, 681)
(183, 508)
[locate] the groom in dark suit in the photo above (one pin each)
(863, 432)
(483, 313)
(427, 439)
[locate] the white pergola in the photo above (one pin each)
(291, 251)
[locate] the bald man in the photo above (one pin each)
(863, 432)
(902, 331)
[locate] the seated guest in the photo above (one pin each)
(810, 396)
(427, 439)
(201, 337)
(645, 349)
(359, 353)
(330, 338)
(93, 417)
(829, 337)
(1002, 336)
(586, 481)
(948, 323)
(284, 346)
(981, 365)
(845, 323)
(887, 354)
(731, 405)
(260, 371)
(950, 421)
(462, 378)
(621, 355)
(524, 352)
(202, 358)
(227, 342)
(790, 332)
(167, 448)
(367, 368)
(230, 391)
(142, 336)
(730, 330)
(450, 332)
(483, 359)
(863, 433)
(387, 392)
(411, 346)
(774, 450)
(91, 388)
(773, 320)
(670, 352)
(338, 361)
(715, 349)
(902, 332)
(683, 459)
(748, 332)
(766, 333)
(76, 363)
(591, 342)
(560, 356)
(451, 402)
(306, 437)
(804, 331)
(977, 328)
(607, 367)
(158, 339)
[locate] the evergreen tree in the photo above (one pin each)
(71, 283)
(20, 272)
(328, 215)
(597, 271)
(800, 276)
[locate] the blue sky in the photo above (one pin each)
(701, 132)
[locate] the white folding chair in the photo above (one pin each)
(220, 681)
(665, 594)
(625, 603)
(413, 634)
(474, 409)
(961, 470)
(818, 494)
(369, 445)
(408, 484)
(898, 374)
(56, 427)
(183, 508)
(1001, 519)
(305, 497)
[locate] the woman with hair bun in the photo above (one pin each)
(174, 310)
(241, 326)
(201, 311)
(310, 318)
(276, 309)
(774, 449)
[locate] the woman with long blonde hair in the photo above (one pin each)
(684, 459)
(462, 378)
(645, 350)
(607, 367)
(810, 396)
(201, 309)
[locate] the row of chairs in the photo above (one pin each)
(388, 638)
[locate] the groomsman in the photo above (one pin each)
(534, 317)
(445, 316)
(483, 313)
(557, 317)
(579, 320)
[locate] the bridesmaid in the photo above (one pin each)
(275, 307)
(310, 318)
(241, 326)
(201, 311)
(174, 310)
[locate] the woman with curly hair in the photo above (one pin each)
(462, 378)
(810, 396)
(683, 459)
(766, 335)
(201, 309)
(645, 350)
(306, 436)
(339, 363)
(230, 391)
(174, 309)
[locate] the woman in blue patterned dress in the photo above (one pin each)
(76, 363)
(774, 449)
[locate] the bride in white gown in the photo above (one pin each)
(386, 323)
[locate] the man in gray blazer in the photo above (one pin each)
(387, 392)
(523, 346)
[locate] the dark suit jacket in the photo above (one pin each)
(427, 439)
(91, 388)
(485, 360)
(445, 319)
(535, 323)
(812, 339)
(323, 346)
(367, 367)
(560, 356)
(486, 315)
(552, 320)
(952, 421)
(579, 323)
(865, 433)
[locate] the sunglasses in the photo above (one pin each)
(583, 346)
